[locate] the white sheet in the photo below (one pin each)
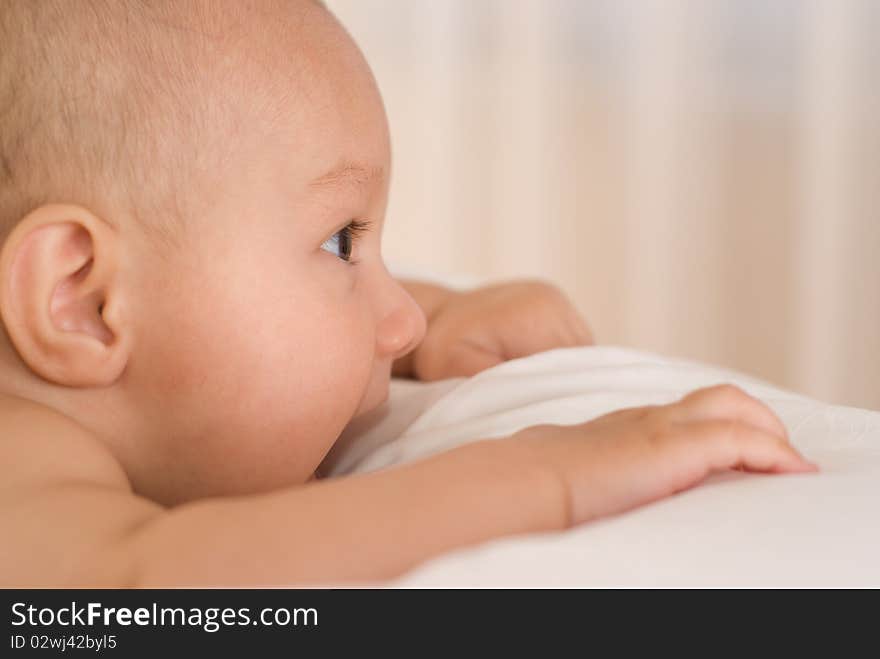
(734, 530)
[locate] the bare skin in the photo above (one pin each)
(364, 528)
(164, 412)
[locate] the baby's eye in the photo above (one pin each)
(342, 242)
(339, 244)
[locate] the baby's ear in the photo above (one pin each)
(61, 298)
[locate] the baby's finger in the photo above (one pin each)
(727, 401)
(725, 444)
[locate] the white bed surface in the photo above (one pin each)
(734, 530)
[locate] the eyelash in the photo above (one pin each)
(352, 232)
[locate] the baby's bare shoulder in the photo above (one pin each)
(41, 447)
(64, 499)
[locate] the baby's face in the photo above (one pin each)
(264, 337)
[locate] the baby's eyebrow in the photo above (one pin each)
(348, 174)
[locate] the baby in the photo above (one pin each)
(195, 306)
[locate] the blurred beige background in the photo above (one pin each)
(702, 177)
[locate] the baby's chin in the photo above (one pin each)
(374, 397)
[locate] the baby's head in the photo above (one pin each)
(177, 187)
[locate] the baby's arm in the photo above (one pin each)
(69, 517)
(72, 519)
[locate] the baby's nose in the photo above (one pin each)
(402, 329)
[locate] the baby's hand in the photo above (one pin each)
(634, 456)
(474, 330)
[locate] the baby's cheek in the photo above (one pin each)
(337, 373)
(253, 403)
